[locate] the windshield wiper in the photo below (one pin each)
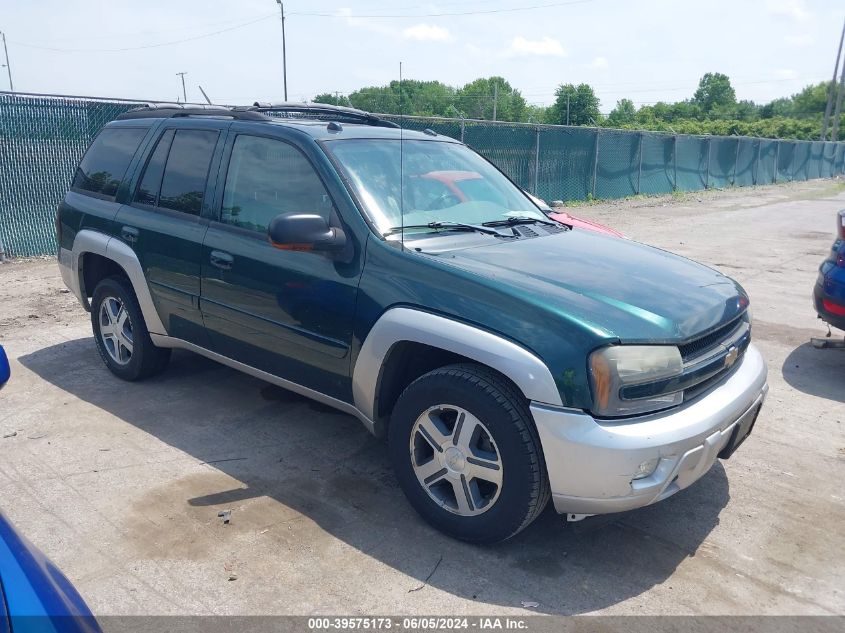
(461, 226)
(519, 219)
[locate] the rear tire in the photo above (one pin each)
(467, 454)
(121, 334)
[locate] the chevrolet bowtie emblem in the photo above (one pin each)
(730, 359)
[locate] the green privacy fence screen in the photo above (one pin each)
(42, 138)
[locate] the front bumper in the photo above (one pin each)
(591, 463)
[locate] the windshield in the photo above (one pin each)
(443, 182)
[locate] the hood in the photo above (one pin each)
(616, 287)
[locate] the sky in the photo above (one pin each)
(645, 50)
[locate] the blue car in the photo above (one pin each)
(34, 595)
(4, 367)
(829, 293)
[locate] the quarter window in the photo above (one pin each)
(267, 177)
(105, 162)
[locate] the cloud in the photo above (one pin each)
(546, 47)
(786, 73)
(364, 23)
(799, 41)
(473, 50)
(426, 33)
(794, 9)
(599, 63)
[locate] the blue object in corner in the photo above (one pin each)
(35, 597)
(5, 372)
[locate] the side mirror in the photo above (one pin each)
(305, 232)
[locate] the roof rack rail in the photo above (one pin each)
(320, 111)
(171, 110)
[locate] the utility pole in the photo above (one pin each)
(184, 92)
(7, 65)
(834, 135)
(567, 108)
(832, 90)
(284, 52)
(495, 99)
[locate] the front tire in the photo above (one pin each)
(121, 334)
(467, 454)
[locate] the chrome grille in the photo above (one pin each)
(707, 342)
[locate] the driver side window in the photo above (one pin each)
(267, 177)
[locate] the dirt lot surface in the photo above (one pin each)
(120, 484)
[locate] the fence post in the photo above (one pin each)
(777, 162)
(736, 161)
(757, 163)
(640, 168)
(595, 163)
(792, 175)
(537, 160)
(675, 161)
(707, 176)
(462, 128)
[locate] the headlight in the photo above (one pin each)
(633, 379)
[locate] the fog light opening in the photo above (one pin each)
(646, 469)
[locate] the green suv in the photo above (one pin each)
(400, 277)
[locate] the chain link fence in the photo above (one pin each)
(43, 137)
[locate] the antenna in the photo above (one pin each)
(401, 165)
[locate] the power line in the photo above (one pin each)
(146, 46)
(441, 15)
(197, 26)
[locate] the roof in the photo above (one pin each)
(317, 120)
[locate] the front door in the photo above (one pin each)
(163, 224)
(285, 312)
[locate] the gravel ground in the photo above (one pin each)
(120, 484)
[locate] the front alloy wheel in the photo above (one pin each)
(456, 460)
(467, 454)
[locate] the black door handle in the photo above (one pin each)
(129, 234)
(222, 260)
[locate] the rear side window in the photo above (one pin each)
(104, 164)
(185, 173)
(267, 177)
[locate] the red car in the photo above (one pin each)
(458, 183)
(571, 220)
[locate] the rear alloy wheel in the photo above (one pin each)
(116, 330)
(121, 334)
(467, 455)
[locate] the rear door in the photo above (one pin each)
(163, 221)
(288, 313)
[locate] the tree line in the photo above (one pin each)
(712, 109)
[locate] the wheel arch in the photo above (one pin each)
(405, 343)
(120, 257)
